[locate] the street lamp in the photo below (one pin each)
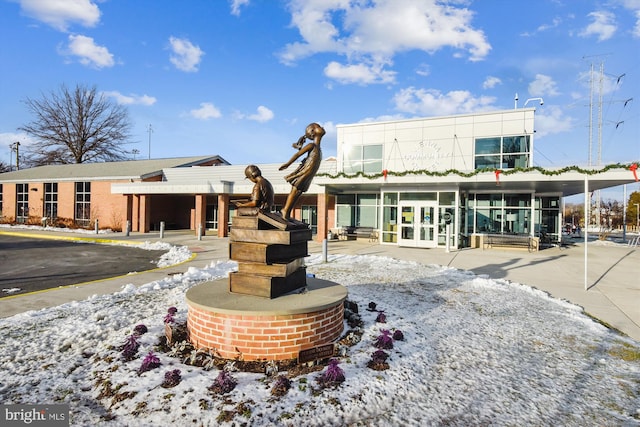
(16, 147)
(533, 99)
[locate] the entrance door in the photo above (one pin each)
(418, 224)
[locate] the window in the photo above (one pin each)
(51, 200)
(357, 210)
(310, 216)
(211, 217)
(390, 218)
(502, 152)
(548, 216)
(500, 213)
(22, 202)
(372, 159)
(426, 196)
(362, 158)
(83, 203)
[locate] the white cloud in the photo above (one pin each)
(551, 120)
(358, 73)
(89, 53)
(59, 14)
(185, 55)
(633, 6)
(206, 111)
(423, 70)
(543, 86)
(603, 25)
(262, 115)
(490, 82)
(8, 138)
(431, 102)
(132, 99)
(374, 32)
(236, 5)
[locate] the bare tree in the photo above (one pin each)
(82, 126)
(4, 167)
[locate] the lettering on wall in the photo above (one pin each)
(426, 155)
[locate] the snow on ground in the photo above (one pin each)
(476, 351)
(58, 229)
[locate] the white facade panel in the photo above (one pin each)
(434, 144)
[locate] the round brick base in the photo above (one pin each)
(252, 328)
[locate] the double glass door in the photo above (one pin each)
(418, 220)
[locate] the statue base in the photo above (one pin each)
(253, 328)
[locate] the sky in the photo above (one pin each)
(243, 78)
(476, 351)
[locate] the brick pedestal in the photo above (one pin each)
(250, 328)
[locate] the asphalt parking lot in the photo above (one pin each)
(31, 264)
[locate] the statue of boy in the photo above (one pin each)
(301, 178)
(261, 196)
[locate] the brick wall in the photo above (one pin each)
(264, 337)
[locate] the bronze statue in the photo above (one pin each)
(301, 178)
(261, 196)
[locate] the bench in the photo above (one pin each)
(510, 240)
(353, 233)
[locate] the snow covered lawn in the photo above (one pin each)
(476, 351)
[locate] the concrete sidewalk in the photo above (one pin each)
(613, 277)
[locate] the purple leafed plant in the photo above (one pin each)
(140, 329)
(150, 361)
(384, 340)
(170, 313)
(379, 356)
(130, 347)
(281, 386)
(398, 335)
(381, 318)
(171, 378)
(224, 383)
(378, 361)
(333, 376)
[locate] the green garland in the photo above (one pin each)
(479, 171)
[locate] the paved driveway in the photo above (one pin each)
(31, 264)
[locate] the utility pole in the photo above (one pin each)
(601, 81)
(150, 130)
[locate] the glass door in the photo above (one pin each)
(418, 224)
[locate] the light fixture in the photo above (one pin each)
(533, 99)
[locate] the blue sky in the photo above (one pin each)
(243, 78)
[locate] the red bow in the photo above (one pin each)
(385, 172)
(498, 172)
(633, 168)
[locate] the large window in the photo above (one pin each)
(22, 202)
(357, 210)
(506, 152)
(362, 158)
(500, 213)
(83, 203)
(51, 200)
